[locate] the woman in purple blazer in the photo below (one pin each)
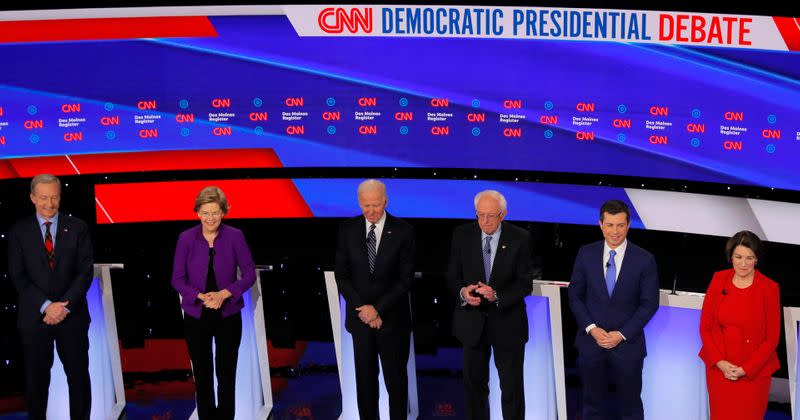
(204, 274)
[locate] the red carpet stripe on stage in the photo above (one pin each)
(139, 162)
(106, 28)
(249, 199)
(159, 354)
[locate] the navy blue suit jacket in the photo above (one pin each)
(629, 308)
(70, 278)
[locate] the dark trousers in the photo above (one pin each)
(509, 364)
(227, 334)
(392, 347)
(600, 367)
(72, 343)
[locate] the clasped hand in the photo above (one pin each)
(55, 312)
(730, 371)
(369, 315)
(605, 339)
(481, 289)
(214, 300)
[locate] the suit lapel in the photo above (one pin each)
(475, 247)
(38, 240)
(61, 235)
(387, 241)
(601, 275)
(500, 253)
(361, 242)
(627, 262)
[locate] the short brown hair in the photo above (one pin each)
(211, 194)
(746, 239)
(44, 179)
(613, 207)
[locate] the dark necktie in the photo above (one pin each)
(372, 250)
(487, 258)
(611, 272)
(48, 243)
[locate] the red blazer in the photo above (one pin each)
(759, 339)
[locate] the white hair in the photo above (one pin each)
(494, 194)
(372, 185)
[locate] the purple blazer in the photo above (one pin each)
(191, 268)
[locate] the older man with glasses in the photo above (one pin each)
(490, 272)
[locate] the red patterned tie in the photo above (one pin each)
(48, 243)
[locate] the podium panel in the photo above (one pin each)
(343, 342)
(672, 367)
(253, 385)
(791, 317)
(539, 367)
(105, 368)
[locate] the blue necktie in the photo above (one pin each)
(371, 248)
(611, 272)
(487, 258)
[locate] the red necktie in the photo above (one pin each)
(48, 243)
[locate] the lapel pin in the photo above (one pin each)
(388, 232)
(504, 247)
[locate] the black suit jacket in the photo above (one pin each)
(387, 288)
(507, 324)
(70, 278)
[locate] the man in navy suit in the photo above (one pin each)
(374, 268)
(613, 294)
(50, 264)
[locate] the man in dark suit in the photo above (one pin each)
(490, 274)
(50, 264)
(613, 294)
(374, 267)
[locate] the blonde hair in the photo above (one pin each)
(211, 194)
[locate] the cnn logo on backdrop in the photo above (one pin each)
(334, 20)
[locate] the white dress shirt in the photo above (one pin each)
(618, 257)
(378, 229)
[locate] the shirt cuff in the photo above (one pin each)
(44, 306)
(623, 337)
(461, 297)
(590, 327)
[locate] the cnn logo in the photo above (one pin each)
(334, 20)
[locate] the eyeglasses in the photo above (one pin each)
(209, 215)
(488, 216)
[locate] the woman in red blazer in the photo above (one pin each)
(740, 328)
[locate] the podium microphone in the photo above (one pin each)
(674, 284)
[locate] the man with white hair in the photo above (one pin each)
(490, 274)
(374, 268)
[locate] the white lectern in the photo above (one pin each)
(105, 368)
(253, 386)
(343, 342)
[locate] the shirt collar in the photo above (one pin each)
(620, 249)
(379, 224)
(495, 235)
(42, 220)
